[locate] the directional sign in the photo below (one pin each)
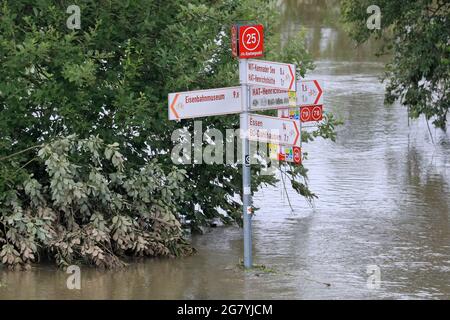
(269, 74)
(273, 130)
(311, 113)
(201, 103)
(262, 98)
(309, 92)
(289, 153)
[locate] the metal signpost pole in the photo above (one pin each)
(246, 175)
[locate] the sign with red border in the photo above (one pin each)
(311, 113)
(273, 130)
(269, 74)
(291, 154)
(309, 93)
(297, 155)
(202, 103)
(247, 41)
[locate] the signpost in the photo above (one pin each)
(246, 173)
(273, 130)
(201, 103)
(263, 85)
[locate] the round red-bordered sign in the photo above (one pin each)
(305, 114)
(251, 41)
(297, 154)
(251, 38)
(316, 113)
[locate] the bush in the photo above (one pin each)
(89, 208)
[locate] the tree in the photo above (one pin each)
(110, 79)
(417, 35)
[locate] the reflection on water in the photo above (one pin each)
(383, 190)
(384, 200)
(325, 37)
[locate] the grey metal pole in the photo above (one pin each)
(246, 174)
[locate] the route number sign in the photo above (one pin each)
(247, 41)
(311, 113)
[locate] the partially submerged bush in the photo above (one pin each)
(87, 207)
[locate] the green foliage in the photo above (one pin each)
(417, 34)
(90, 209)
(110, 79)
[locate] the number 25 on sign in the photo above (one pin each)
(247, 41)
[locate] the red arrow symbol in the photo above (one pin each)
(298, 133)
(172, 105)
(320, 91)
(292, 77)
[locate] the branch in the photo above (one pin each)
(20, 152)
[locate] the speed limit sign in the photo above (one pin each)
(247, 41)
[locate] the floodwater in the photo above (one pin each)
(383, 204)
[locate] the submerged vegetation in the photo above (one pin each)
(85, 168)
(87, 208)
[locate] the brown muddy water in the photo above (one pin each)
(384, 200)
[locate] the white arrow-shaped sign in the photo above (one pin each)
(309, 92)
(273, 130)
(201, 103)
(269, 74)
